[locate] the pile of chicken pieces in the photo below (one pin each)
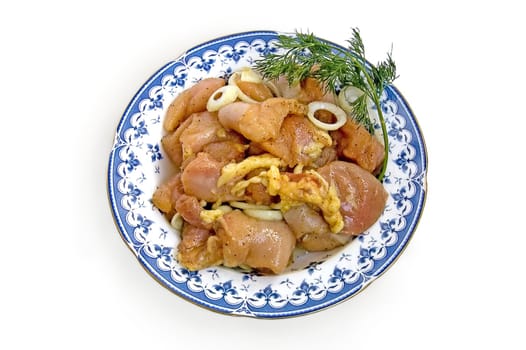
(268, 155)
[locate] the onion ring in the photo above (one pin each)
(341, 116)
(264, 214)
(227, 95)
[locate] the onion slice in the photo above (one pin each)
(341, 116)
(273, 88)
(223, 96)
(245, 205)
(264, 214)
(248, 74)
(177, 221)
(347, 96)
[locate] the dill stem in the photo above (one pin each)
(385, 138)
(376, 99)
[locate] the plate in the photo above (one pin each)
(137, 165)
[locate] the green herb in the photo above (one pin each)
(307, 56)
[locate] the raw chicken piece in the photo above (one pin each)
(190, 209)
(172, 145)
(259, 122)
(263, 245)
(302, 220)
(308, 90)
(257, 193)
(362, 196)
(204, 129)
(226, 151)
(359, 146)
(190, 101)
(312, 232)
(200, 177)
(164, 196)
(256, 91)
(298, 142)
(328, 154)
(198, 248)
(323, 240)
(202, 132)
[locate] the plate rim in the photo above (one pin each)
(277, 314)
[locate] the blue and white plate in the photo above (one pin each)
(137, 165)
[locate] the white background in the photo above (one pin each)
(68, 71)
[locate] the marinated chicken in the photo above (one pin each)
(259, 122)
(255, 180)
(260, 244)
(362, 196)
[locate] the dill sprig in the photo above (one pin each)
(304, 55)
